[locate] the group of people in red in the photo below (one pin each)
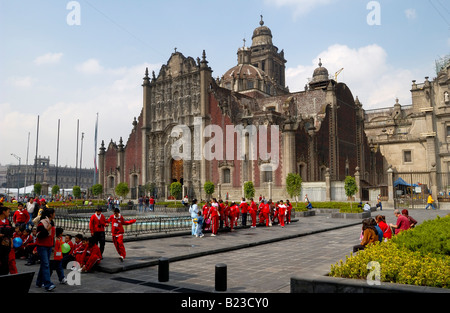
(215, 215)
(45, 243)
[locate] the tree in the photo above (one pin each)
(76, 192)
(249, 189)
(37, 189)
(55, 190)
(97, 190)
(175, 190)
(209, 188)
(294, 185)
(350, 188)
(122, 190)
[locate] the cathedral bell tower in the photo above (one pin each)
(265, 55)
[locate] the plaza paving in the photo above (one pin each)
(259, 260)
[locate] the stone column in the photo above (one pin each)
(390, 178)
(328, 184)
(288, 151)
(358, 184)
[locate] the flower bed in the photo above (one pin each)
(408, 258)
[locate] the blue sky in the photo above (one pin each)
(68, 72)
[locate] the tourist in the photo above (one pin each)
(381, 221)
(281, 213)
(378, 230)
(369, 236)
(402, 223)
(221, 213)
(366, 207)
(265, 211)
(199, 221)
(6, 243)
(430, 202)
(117, 221)
(252, 210)
(379, 204)
(151, 203)
(97, 225)
(289, 212)
(412, 221)
(214, 217)
(44, 245)
(243, 206)
(193, 210)
(57, 256)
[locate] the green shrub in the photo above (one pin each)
(405, 259)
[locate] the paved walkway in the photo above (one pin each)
(259, 260)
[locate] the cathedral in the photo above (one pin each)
(317, 132)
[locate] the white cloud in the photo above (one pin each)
(117, 98)
(411, 14)
(48, 58)
(300, 7)
(91, 66)
(21, 82)
(366, 72)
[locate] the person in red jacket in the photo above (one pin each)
(91, 256)
(265, 213)
(214, 216)
(57, 256)
(244, 211)
(234, 211)
(97, 225)
(288, 212)
(78, 249)
(226, 213)
(117, 221)
(207, 221)
(252, 210)
(221, 213)
(21, 216)
(260, 211)
(281, 213)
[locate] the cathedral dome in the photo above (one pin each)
(262, 35)
(320, 74)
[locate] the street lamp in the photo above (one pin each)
(18, 175)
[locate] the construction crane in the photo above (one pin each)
(337, 73)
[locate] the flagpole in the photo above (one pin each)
(95, 151)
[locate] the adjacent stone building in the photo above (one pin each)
(415, 139)
(317, 132)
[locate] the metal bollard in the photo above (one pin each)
(163, 270)
(221, 277)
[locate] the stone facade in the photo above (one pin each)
(318, 132)
(415, 139)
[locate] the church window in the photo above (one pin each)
(250, 85)
(407, 156)
(267, 176)
(226, 176)
(448, 131)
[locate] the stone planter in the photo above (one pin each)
(305, 213)
(351, 215)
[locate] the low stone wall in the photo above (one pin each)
(309, 283)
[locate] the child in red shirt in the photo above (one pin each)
(91, 256)
(117, 221)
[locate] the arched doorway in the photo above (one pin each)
(176, 173)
